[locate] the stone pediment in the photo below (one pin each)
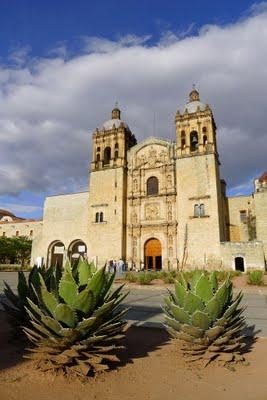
(150, 153)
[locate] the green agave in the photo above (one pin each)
(206, 318)
(75, 326)
(14, 304)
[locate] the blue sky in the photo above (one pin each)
(42, 24)
(61, 72)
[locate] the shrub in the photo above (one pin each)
(169, 278)
(206, 318)
(130, 276)
(14, 267)
(145, 278)
(76, 325)
(15, 304)
(255, 278)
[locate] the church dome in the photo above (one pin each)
(115, 121)
(194, 104)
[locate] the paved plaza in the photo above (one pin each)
(145, 309)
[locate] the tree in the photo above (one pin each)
(15, 249)
(22, 246)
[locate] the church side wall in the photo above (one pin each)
(238, 230)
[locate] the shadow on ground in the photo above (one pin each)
(139, 342)
(11, 346)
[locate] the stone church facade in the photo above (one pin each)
(156, 204)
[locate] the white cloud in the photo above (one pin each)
(18, 209)
(19, 56)
(49, 107)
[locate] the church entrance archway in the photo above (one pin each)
(77, 249)
(153, 254)
(239, 264)
(56, 252)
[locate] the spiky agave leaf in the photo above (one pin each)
(79, 331)
(15, 303)
(206, 318)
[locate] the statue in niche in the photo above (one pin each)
(163, 156)
(135, 185)
(134, 217)
(152, 158)
(170, 239)
(169, 215)
(152, 212)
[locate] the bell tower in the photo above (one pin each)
(195, 128)
(199, 188)
(108, 189)
(111, 142)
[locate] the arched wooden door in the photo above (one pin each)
(56, 254)
(76, 249)
(153, 256)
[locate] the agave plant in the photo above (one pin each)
(14, 304)
(76, 325)
(206, 318)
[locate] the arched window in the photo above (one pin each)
(107, 155)
(97, 217)
(183, 142)
(205, 140)
(98, 157)
(204, 129)
(201, 210)
(116, 154)
(98, 149)
(116, 145)
(193, 141)
(152, 186)
(101, 217)
(196, 210)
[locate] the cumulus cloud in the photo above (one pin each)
(49, 107)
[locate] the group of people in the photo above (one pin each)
(117, 266)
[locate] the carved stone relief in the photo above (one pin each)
(169, 181)
(134, 217)
(152, 211)
(135, 185)
(152, 157)
(169, 208)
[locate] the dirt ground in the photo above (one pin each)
(151, 368)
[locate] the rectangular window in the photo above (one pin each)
(196, 210)
(4, 234)
(17, 233)
(115, 198)
(243, 216)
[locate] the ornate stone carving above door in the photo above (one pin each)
(152, 211)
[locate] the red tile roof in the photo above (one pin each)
(263, 177)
